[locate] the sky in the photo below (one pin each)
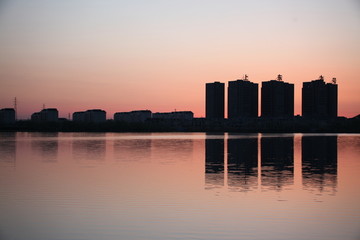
(124, 55)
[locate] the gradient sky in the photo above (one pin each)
(138, 54)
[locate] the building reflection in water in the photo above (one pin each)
(319, 163)
(214, 161)
(132, 149)
(242, 163)
(45, 145)
(277, 162)
(7, 149)
(89, 147)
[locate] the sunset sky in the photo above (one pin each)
(123, 55)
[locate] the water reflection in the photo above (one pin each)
(214, 161)
(137, 200)
(45, 145)
(277, 162)
(171, 151)
(242, 163)
(132, 149)
(7, 149)
(319, 163)
(89, 148)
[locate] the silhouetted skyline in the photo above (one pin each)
(277, 99)
(129, 55)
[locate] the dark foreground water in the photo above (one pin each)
(72, 186)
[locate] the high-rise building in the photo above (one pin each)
(242, 99)
(215, 100)
(277, 99)
(319, 99)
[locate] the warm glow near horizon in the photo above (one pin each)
(158, 55)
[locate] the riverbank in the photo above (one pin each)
(293, 125)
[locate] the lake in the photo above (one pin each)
(100, 186)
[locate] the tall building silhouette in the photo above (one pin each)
(319, 99)
(242, 99)
(215, 100)
(277, 99)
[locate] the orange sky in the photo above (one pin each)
(131, 55)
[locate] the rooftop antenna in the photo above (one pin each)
(279, 77)
(246, 77)
(15, 107)
(333, 80)
(43, 106)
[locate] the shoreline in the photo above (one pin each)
(258, 125)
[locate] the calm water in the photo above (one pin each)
(62, 186)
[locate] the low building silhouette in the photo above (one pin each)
(90, 116)
(7, 116)
(36, 117)
(181, 115)
(242, 99)
(95, 115)
(215, 100)
(46, 115)
(133, 116)
(319, 99)
(277, 99)
(79, 116)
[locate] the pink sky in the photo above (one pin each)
(132, 55)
